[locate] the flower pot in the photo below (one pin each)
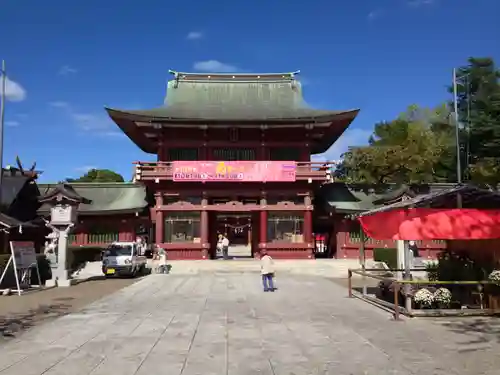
(494, 302)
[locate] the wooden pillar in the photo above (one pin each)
(261, 154)
(308, 238)
(161, 148)
(204, 229)
(159, 232)
(249, 233)
(263, 224)
(305, 153)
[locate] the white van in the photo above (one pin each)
(123, 259)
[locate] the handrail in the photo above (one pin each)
(398, 283)
(304, 170)
(316, 164)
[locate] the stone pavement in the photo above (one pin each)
(317, 267)
(224, 324)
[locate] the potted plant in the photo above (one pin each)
(442, 298)
(494, 297)
(424, 298)
(494, 277)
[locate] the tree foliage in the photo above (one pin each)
(478, 93)
(98, 175)
(419, 146)
(415, 147)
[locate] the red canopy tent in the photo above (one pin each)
(434, 217)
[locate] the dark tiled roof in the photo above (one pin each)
(106, 198)
(11, 186)
(10, 222)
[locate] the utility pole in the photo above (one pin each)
(3, 75)
(457, 128)
(457, 136)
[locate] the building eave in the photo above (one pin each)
(160, 117)
(127, 121)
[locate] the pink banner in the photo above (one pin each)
(234, 171)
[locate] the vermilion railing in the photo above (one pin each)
(304, 171)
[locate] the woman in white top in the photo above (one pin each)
(267, 271)
(225, 246)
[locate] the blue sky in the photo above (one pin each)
(66, 60)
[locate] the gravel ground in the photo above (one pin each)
(19, 313)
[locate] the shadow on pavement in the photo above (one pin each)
(14, 324)
(477, 332)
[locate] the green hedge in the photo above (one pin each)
(387, 255)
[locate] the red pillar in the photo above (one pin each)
(263, 228)
(263, 224)
(159, 218)
(161, 149)
(308, 237)
(204, 230)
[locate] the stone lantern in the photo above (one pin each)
(63, 201)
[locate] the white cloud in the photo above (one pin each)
(13, 90)
(67, 70)
(98, 124)
(214, 66)
(12, 124)
(194, 35)
(352, 137)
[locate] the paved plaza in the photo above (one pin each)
(222, 323)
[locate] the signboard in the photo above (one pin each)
(234, 171)
(24, 254)
(22, 260)
(63, 214)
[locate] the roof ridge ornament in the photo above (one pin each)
(176, 77)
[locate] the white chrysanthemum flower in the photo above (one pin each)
(443, 296)
(494, 277)
(424, 297)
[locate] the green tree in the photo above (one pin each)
(416, 147)
(98, 175)
(478, 93)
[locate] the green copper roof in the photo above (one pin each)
(346, 198)
(107, 198)
(350, 198)
(238, 97)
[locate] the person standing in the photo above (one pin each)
(162, 261)
(414, 249)
(225, 246)
(267, 271)
(219, 246)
